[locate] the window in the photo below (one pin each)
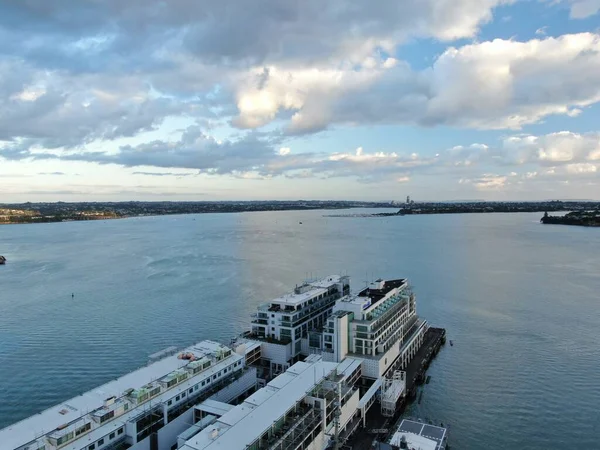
(100, 442)
(177, 398)
(170, 402)
(92, 447)
(111, 436)
(191, 390)
(107, 416)
(120, 431)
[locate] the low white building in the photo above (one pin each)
(154, 400)
(300, 409)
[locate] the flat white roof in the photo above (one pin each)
(214, 407)
(246, 422)
(34, 427)
(197, 427)
(414, 441)
(354, 299)
(314, 288)
(327, 281)
(348, 365)
(295, 299)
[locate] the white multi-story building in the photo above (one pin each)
(379, 325)
(353, 349)
(144, 409)
(302, 408)
(281, 324)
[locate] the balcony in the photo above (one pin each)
(263, 338)
(294, 429)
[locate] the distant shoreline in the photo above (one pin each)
(481, 208)
(575, 218)
(34, 213)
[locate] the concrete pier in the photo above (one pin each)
(415, 375)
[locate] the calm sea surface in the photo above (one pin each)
(520, 300)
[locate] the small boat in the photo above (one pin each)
(2, 260)
(451, 344)
(428, 379)
(300, 223)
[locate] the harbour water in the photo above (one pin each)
(83, 302)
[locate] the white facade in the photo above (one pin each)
(379, 325)
(284, 322)
(130, 408)
(295, 410)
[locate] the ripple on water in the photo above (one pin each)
(519, 300)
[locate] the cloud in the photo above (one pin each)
(581, 9)
(72, 75)
(490, 182)
(261, 156)
(553, 149)
(497, 84)
(165, 174)
(141, 32)
(582, 168)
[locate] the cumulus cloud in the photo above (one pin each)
(78, 78)
(490, 85)
(225, 33)
(491, 166)
(490, 182)
(74, 74)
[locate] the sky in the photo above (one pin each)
(268, 99)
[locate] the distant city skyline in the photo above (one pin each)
(348, 100)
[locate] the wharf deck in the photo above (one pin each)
(415, 375)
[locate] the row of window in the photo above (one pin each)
(205, 382)
(110, 437)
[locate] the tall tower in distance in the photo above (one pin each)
(407, 199)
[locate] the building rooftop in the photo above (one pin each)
(420, 435)
(214, 407)
(380, 288)
(65, 413)
(246, 422)
(308, 290)
(368, 298)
